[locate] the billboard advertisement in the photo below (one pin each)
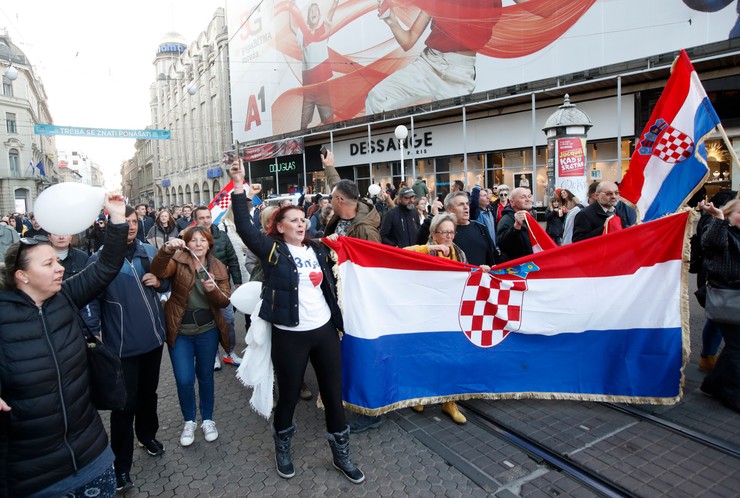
(296, 64)
(570, 170)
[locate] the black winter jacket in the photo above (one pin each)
(74, 262)
(589, 222)
(400, 227)
(223, 250)
(280, 292)
(53, 429)
(721, 246)
(512, 242)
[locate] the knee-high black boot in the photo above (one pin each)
(283, 461)
(339, 443)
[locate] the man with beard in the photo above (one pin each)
(401, 224)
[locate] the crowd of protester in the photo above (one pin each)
(175, 271)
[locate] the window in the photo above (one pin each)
(7, 89)
(14, 161)
(10, 122)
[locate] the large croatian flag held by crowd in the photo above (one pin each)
(604, 319)
(670, 161)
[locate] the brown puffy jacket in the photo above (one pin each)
(179, 267)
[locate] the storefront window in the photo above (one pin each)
(720, 170)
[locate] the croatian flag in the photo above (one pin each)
(220, 204)
(539, 238)
(670, 161)
(599, 320)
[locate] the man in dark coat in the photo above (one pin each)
(590, 221)
(144, 221)
(128, 315)
(512, 233)
(400, 225)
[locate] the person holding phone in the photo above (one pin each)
(195, 324)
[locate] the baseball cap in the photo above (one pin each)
(406, 192)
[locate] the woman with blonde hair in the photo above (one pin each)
(163, 230)
(441, 233)
(720, 245)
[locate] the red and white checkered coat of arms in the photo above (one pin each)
(673, 146)
(491, 307)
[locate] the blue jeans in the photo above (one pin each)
(201, 348)
(228, 313)
(711, 338)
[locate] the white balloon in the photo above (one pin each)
(245, 298)
(68, 208)
(373, 190)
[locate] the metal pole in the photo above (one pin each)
(413, 152)
(369, 140)
(534, 152)
(403, 170)
(277, 177)
(305, 178)
(465, 146)
(619, 128)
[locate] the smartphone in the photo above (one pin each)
(323, 151)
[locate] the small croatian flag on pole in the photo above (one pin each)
(670, 161)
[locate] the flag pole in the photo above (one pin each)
(730, 148)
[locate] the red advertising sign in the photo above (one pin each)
(571, 158)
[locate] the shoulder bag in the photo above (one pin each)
(723, 305)
(107, 385)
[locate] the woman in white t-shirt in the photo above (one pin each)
(299, 299)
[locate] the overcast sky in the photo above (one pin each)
(95, 60)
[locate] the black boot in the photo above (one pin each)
(339, 443)
(283, 461)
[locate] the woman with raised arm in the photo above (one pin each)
(299, 299)
(52, 441)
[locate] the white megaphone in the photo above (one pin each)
(68, 208)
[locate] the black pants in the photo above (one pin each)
(290, 354)
(141, 374)
(724, 380)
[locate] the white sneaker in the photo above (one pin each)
(232, 359)
(209, 430)
(188, 433)
(217, 364)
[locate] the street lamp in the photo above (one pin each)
(401, 133)
(11, 73)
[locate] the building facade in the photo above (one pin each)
(189, 97)
(27, 161)
(76, 166)
(491, 124)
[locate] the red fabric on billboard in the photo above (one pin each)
(516, 31)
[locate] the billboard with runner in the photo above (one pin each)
(296, 64)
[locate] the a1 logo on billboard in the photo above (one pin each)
(253, 109)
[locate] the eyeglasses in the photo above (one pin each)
(447, 233)
(28, 241)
